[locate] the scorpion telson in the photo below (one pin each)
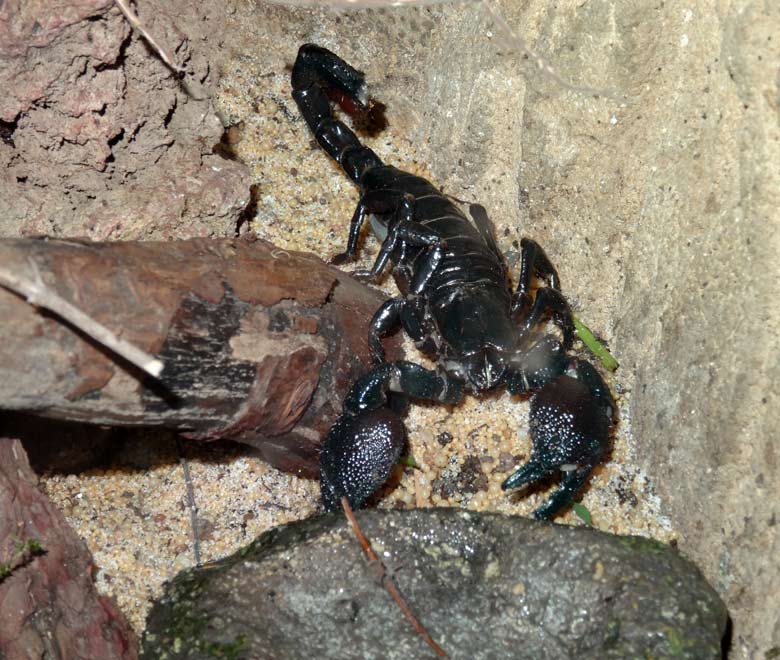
(457, 305)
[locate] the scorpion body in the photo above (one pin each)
(457, 305)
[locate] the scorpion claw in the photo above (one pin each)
(530, 472)
(358, 455)
(570, 425)
(572, 482)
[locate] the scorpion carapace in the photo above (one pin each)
(457, 305)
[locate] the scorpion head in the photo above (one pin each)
(479, 336)
(484, 369)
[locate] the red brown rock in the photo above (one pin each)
(98, 138)
(48, 604)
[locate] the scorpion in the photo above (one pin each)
(458, 307)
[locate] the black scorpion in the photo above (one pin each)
(457, 305)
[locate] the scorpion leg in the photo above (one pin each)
(403, 232)
(430, 262)
(485, 227)
(364, 445)
(386, 320)
(374, 201)
(533, 263)
(549, 301)
(403, 215)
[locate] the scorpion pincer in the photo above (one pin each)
(456, 303)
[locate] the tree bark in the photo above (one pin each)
(259, 344)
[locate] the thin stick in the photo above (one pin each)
(387, 580)
(136, 24)
(191, 503)
(38, 294)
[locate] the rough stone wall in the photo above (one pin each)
(698, 317)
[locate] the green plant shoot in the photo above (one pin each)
(594, 345)
(582, 513)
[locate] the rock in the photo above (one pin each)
(49, 607)
(99, 138)
(484, 585)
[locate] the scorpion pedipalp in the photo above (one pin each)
(364, 445)
(571, 418)
(358, 455)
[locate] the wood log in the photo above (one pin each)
(259, 344)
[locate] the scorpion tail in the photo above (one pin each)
(319, 75)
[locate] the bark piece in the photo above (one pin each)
(48, 603)
(260, 344)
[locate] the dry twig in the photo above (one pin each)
(38, 294)
(135, 22)
(191, 503)
(387, 580)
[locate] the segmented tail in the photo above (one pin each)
(319, 76)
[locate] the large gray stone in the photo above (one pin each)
(484, 585)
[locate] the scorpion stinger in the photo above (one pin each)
(457, 305)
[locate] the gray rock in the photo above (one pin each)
(484, 585)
